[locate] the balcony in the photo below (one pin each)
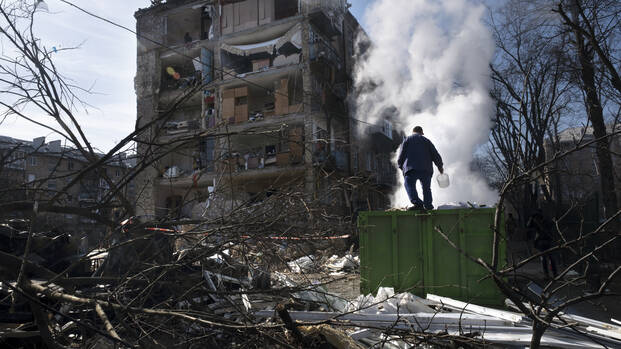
(327, 15)
(241, 18)
(266, 123)
(185, 122)
(177, 130)
(321, 49)
(188, 25)
(254, 103)
(184, 72)
(267, 176)
(180, 73)
(241, 60)
(187, 180)
(191, 166)
(263, 153)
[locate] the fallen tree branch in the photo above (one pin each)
(102, 315)
(57, 295)
(34, 300)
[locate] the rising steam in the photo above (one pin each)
(429, 59)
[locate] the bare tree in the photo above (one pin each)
(163, 280)
(536, 92)
(531, 91)
(595, 27)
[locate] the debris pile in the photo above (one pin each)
(228, 289)
(338, 266)
(402, 320)
(334, 264)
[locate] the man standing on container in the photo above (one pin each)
(415, 160)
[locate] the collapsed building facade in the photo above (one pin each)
(265, 86)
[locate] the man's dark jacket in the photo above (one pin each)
(417, 154)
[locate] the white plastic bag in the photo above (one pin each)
(443, 180)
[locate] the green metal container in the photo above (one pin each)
(401, 249)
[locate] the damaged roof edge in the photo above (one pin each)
(171, 4)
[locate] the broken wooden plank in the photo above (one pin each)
(477, 309)
(589, 322)
(604, 332)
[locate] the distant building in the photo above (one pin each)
(276, 75)
(575, 179)
(36, 170)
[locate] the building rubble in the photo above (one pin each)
(220, 293)
(398, 320)
(387, 320)
(335, 265)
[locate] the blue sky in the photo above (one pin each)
(358, 7)
(105, 61)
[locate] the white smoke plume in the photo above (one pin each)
(429, 59)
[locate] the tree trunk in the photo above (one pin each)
(538, 331)
(596, 115)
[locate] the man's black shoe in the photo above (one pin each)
(416, 208)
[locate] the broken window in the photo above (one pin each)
(210, 111)
(387, 128)
(206, 23)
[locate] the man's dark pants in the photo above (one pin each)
(410, 186)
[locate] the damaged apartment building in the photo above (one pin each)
(267, 107)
